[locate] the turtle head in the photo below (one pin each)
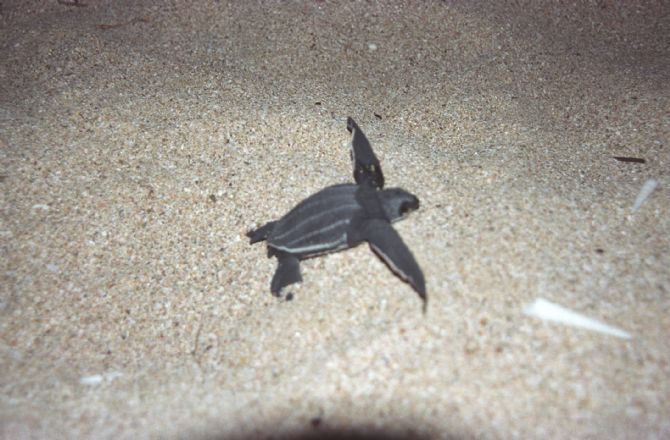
(397, 203)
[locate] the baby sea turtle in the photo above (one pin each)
(342, 216)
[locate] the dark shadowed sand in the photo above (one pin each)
(140, 140)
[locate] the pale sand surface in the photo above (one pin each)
(139, 140)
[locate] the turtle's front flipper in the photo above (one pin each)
(386, 243)
(366, 165)
(261, 233)
(288, 272)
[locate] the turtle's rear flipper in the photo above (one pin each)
(386, 243)
(366, 165)
(261, 233)
(288, 272)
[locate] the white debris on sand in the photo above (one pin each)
(646, 190)
(97, 379)
(543, 309)
(53, 268)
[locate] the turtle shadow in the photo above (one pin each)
(316, 431)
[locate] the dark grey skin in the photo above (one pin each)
(343, 216)
(367, 170)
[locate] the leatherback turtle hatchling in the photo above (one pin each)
(342, 216)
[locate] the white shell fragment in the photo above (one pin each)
(97, 379)
(543, 309)
(648, 187)
(91, 380)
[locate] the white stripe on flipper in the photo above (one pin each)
(392, 265)
(312, 218)
(346, 221)
(327, 247)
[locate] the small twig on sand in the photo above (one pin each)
(115, 25)
(72, 3)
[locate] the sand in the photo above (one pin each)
(140, 140)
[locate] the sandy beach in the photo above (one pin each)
(140, 141)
